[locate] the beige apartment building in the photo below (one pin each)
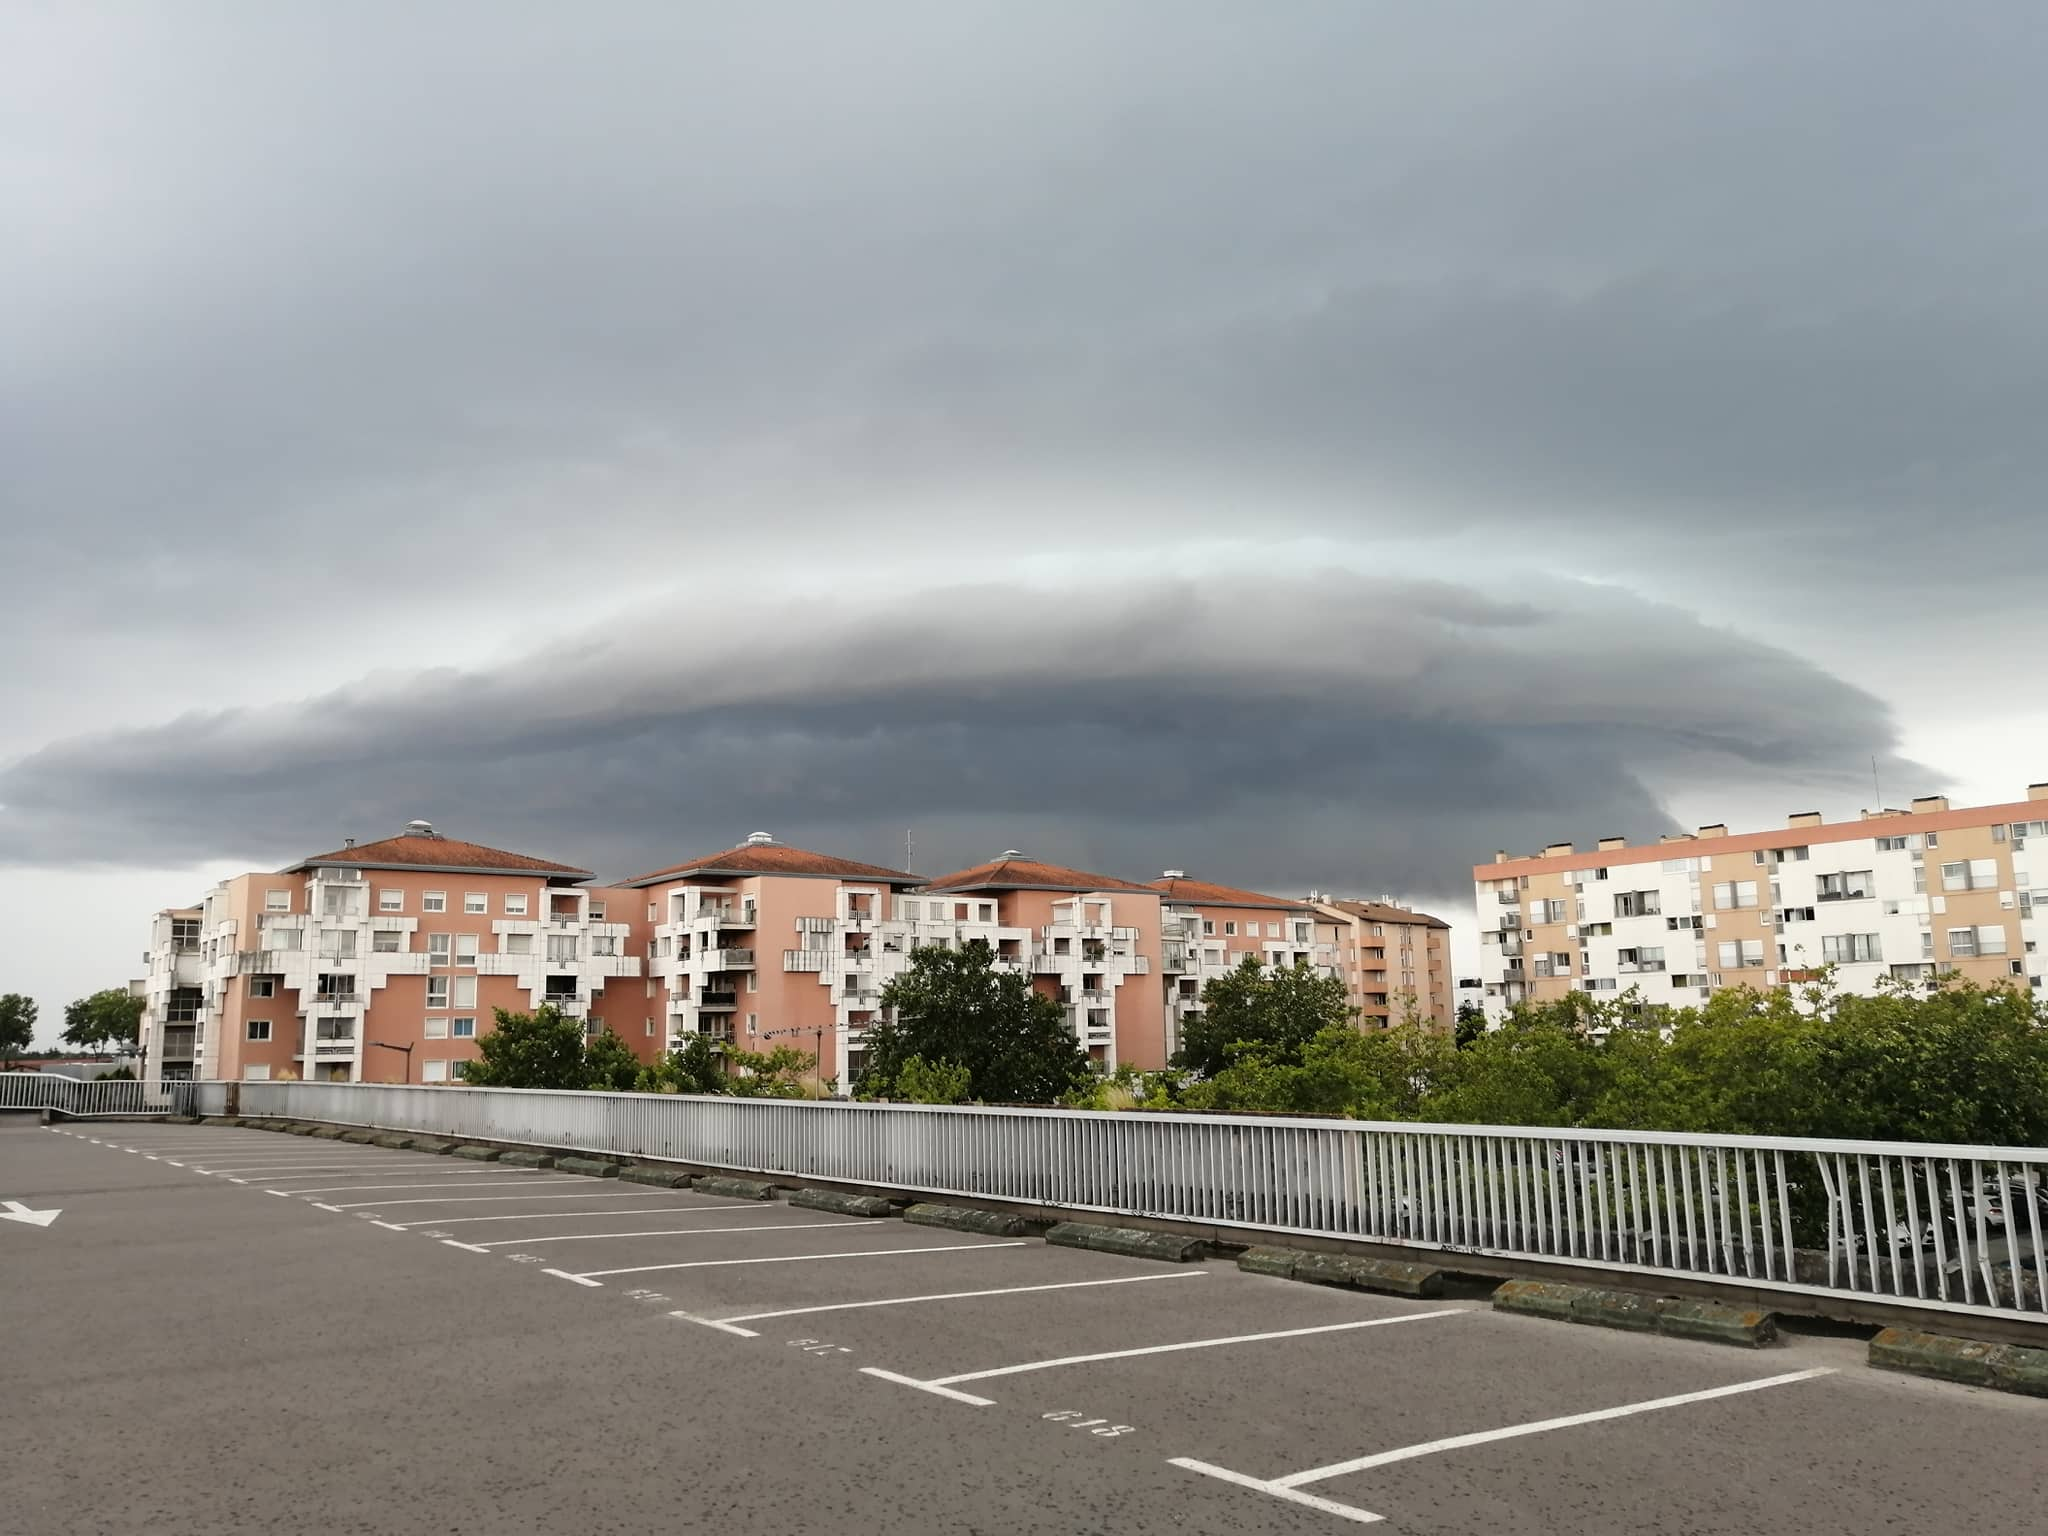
(1393, 960)
(1896, 895)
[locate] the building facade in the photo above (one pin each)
(1208, 930)
(1394, 961)
(1897, 895)
(381, 963)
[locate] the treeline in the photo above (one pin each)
(1961, 1063)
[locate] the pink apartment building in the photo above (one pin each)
(381, 963)
(1209, 930)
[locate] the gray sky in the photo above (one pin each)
(1314, 444)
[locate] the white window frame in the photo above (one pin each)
(390, 899)
(250, 1026)
(263, 986)
(433, 901)
(434, 1071)
(474, 902)
(273, 903)
(437, 1029)
(440, 948)
(515, 904)
(515, 943)
(256, 1072)
(457, 1031)
(465, 991)
(440, 982)
(466, 946)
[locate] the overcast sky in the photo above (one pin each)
(1308, 445)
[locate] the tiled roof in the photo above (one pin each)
(413, 852)
(1030, 875)
(778, 859)
(1201, 893)
(1380, 912)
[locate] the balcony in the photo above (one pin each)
(1136, 965)
(725, 917)
(334, 1048)
(1175, 960)
(1045, 963)
(714, 998)
(180, 1045)
(730, 960)
(805, 959)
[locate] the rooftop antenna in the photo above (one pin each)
(907, 854)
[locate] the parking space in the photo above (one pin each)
(1249, 1403)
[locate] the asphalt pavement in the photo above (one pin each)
(229, 1330)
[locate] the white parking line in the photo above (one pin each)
(926, 1386)
(640, 1210)
(727, 1324)
(342, 1189)
(1289, 1487)
(799, 1258)
(563, 1274)
(313, 1171)
(465, 1247)
(473, 1199)
(1292, 1495)
(1168, 1349)
(1543, 1426)
(594, 1237)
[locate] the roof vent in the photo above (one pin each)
(1013, 853)
(420, 827)
(1386, 899)
(1174, 874)
(759, 839)
(348, 842)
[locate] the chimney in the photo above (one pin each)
(1923, 804)
(2037, 791)
(1607, 844)
(348, 842)
(1500, 856)
(1181, 874)
(1803, 819)
(1555, 849)
(1676, 837)
(1715, 829)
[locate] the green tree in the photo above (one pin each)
(929, 1082)
(695, 1066)
(1275, 1013)
(954, 1010)
(609, 1063)
(542, 1049)
(17, 1024)
(783, 1073)
(1471, 1023)
(111, 1017)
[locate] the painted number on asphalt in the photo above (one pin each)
(1073, 1418)
(818, 1347)
(526, 1258)
(644, 1294)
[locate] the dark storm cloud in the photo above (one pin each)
(1336, 731)
(499, 290)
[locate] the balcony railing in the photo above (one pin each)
(180, 1048)
(725, 917)
(732, 960)
(805, 959)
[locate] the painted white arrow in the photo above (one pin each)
(14, 1210)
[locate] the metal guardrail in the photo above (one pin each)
(1961, 1229)
(114, 1096)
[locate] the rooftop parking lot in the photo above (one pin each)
(228, 1329)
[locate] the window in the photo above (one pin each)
(517, 943)
(1851, 885)
(259, 1029)
(465, 948)
(1682, 924)
(650, 1026)
(1972, 875)
(1637, 904)
(387, 941)
(465, 991)
(1891, 845)
(1640, 959)
(257, 1072)
(440, 946)
(433, 901)
(597, 911)
(1733, 894)
(515, 905)
(437, 1029)
(334, 985)
(1601, 984)
(262, 986)
(475, 901)
(389, 900)
(458, 1069)
(1272, 930)
(433, 1071)
(1736, 954)
(561, 947)
(1991, 940)
(1962, 943)
(1795, 915)
(462, 1029)
(1850, 948)
(1230, 930)
(334, 1029)
(437, 991)
(277, 901)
